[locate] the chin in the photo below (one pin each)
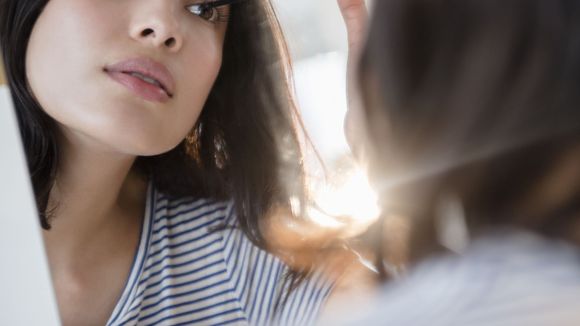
(138, 144)
(156, 151)
(152, 149)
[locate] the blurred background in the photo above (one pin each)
(317, 39)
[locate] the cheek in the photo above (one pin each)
(71, 42)
(196, 81)
(62, 55)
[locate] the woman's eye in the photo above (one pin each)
(205, 11)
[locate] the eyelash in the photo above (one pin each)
(216, 14)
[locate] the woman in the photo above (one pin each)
(474, 128)
(160, 135)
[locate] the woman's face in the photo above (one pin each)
(83, 55)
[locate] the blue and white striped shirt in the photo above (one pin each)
(185, 272)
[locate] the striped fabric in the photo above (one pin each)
(187, 273)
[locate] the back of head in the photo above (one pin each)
(479, 99)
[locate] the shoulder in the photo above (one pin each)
(258, 279)
(173, 212)
(261, 281)
(179, 267)
(504, 279)
(179, 223)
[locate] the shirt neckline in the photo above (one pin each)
(138, 258)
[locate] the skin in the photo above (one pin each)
(356, 17)
(103, 128)
(99, 203)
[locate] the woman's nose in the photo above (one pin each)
(157, 27)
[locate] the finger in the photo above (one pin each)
(355, 15)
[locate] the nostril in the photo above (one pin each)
(170, 42)
(146, 32)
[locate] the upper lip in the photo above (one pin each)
(148, 68)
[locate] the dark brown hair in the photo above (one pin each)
(479, 99)
(244, 146)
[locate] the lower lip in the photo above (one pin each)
(142, 88)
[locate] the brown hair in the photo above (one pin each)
(478, 99)
(245, 145)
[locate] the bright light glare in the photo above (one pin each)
(350, 203)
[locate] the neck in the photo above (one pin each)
(96, 194)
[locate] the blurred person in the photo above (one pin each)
(472, 133)
(160, 136)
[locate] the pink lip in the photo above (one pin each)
(120, 72)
